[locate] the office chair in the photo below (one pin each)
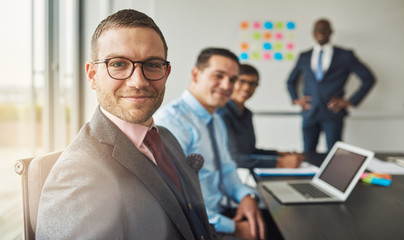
(34, 172)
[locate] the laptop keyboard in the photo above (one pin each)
(308, 190)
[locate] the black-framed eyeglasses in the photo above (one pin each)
(251, 84)
(121, 68)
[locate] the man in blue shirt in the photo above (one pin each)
(190, 119)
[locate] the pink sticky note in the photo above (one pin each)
(279, 36)
(256, 25)
(267, 56)
(290, 46)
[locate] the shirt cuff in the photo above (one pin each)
(264, 157)
(244, 192)
(225, 225)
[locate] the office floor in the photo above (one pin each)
(11, 220)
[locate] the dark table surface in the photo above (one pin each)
(370, 212)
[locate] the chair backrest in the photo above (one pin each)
(34, 172)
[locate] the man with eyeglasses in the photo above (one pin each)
(123, 177)
(239, 123)
(194, 122)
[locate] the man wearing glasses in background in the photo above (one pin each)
(123, 177)
(239, 123)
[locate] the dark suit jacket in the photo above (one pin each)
(343, 63)
(103, 187)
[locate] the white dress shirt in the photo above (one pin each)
(328, 51)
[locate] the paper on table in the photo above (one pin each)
(305, 169)
(246, 177)
(380, 166)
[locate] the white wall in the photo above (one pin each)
(377, 132)
(370, 27)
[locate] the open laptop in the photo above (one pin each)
(335, 180)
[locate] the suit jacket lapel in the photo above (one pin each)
(136, 162)
(333, 60)
(193, 180)
(308, 60)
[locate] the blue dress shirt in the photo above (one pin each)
(188, 121)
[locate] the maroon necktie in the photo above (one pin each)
(153, 141)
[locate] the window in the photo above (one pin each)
(39, 91)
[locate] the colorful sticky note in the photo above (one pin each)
(290, 46)
(244, 25)
(245, 36)
(289, 56)
(290, 36)
(279, 25)
(278, 56)
(267, 46)
(290, 25)
(279, 36)
(278, 46)
(244, 56)
(256, 25)
(255, 56)
(257, 35)
(268, 25)
(267, 56)
(244, 46)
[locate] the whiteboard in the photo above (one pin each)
(372, 28)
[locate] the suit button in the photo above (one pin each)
(189, 206)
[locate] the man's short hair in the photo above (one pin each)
(249, 70)
(325, 21)
(204, 56)
(127, 18)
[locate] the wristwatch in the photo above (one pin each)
(253, 196)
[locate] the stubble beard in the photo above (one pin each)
(137, 114)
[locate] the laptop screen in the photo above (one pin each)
(342, 168)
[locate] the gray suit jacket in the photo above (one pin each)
(103, 187)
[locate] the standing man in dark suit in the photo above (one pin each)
(123, 177)
(325, 70)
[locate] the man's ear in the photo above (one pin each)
(194, 73)
(168, 71)
(91, 71)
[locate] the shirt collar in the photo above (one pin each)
(196, 107)
(135, 132)
(326, 47)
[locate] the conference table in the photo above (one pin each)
(370, 212)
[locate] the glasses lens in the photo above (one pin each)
(251, 84)
(120, 68)
(154, 69)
